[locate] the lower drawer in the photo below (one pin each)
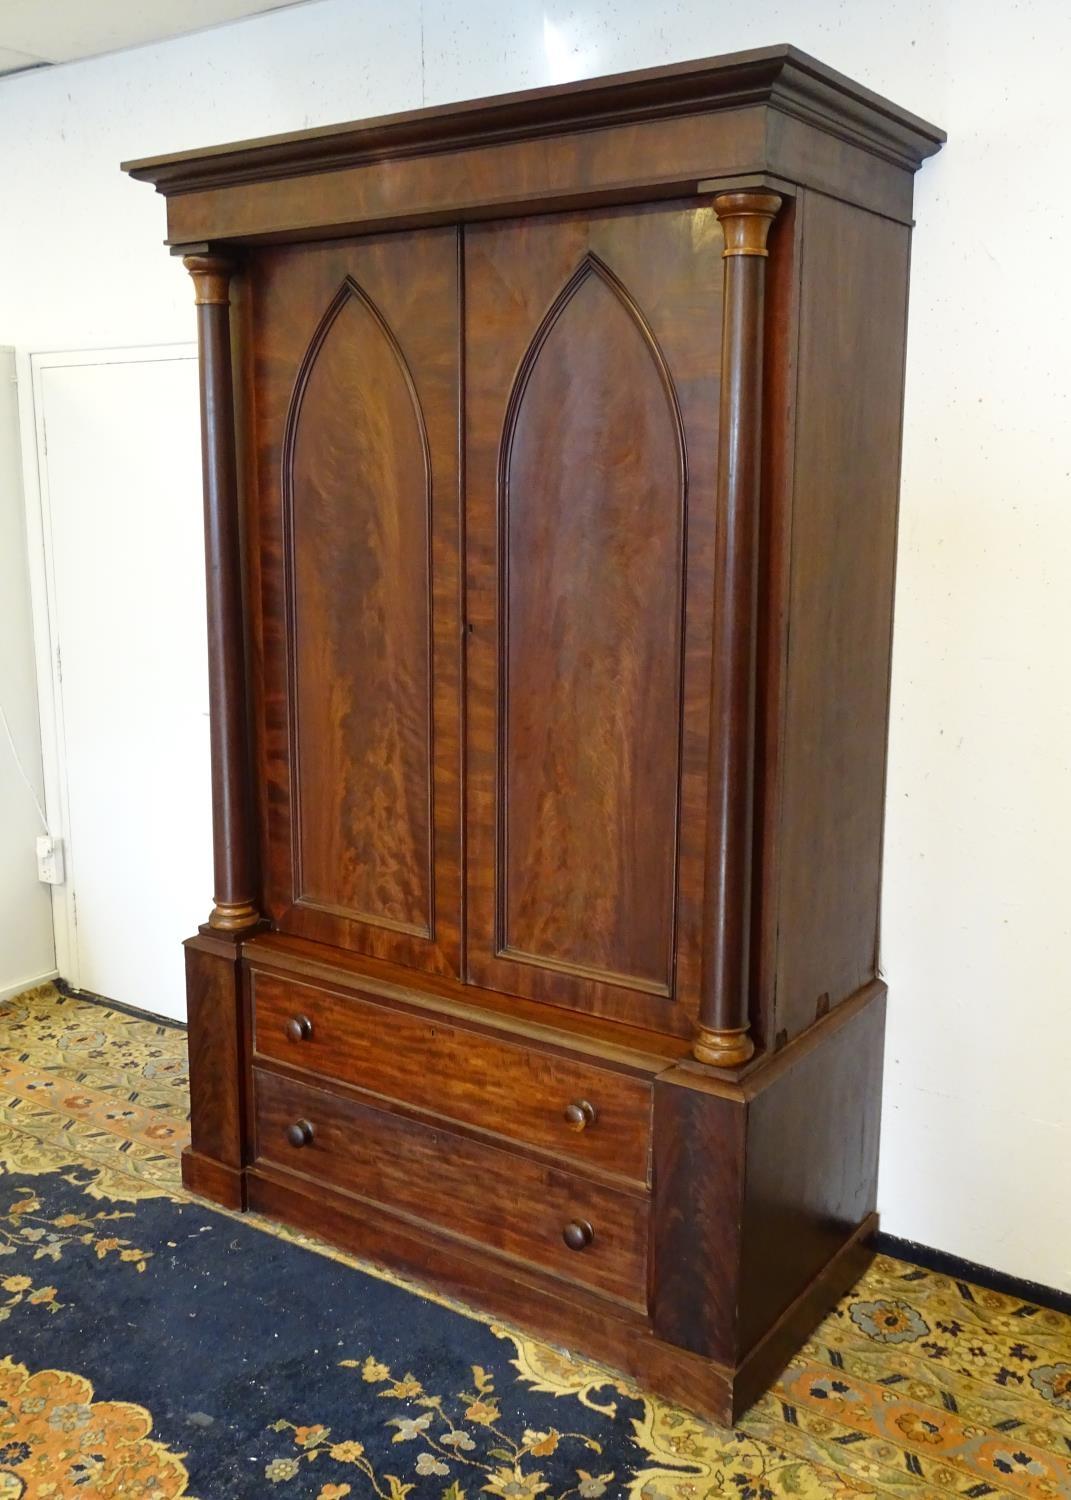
(585, 1232)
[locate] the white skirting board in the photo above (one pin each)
(9, 991)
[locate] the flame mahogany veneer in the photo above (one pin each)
(551, 457)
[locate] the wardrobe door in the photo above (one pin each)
(591, 401)
(356, 417)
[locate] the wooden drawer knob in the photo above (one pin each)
(300, 1134)
(578, 1235)
(299, 1028)
(580, 1114)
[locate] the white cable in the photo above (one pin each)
(29, 784)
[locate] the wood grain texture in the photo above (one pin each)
(764, 1361)
(848, 419)
(699, 1165)
(521, 661)
(780, 362)
(357, 491)
(512, 1204)
(608, 1043)
(498, 1086)
(623, 164)
(638, 136)
(723, 1034)
(757, 1190)
(608, 1332)
(591, 531)
(812, 1167)
(234, 862)
(357, 420)
(210, 1179)
(216, 1033)
(528, 1295)
(702, 84)
(590, 483)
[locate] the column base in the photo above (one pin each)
(723, 1049)
(233, 916)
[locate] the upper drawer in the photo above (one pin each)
(592, 1115)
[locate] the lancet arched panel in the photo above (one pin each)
(357, 494)
(592, 489)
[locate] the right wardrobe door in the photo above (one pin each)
(592, 352)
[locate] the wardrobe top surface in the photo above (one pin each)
(780, 77)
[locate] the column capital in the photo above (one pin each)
(746, 218)
(211, 278)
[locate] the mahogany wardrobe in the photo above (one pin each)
(551, 456)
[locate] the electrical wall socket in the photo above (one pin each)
(50, 860)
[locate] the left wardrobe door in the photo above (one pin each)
(357, 612)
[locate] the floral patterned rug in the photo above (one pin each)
(155, 1348)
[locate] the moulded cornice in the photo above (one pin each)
(784, 79)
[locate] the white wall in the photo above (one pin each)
(977, 1122)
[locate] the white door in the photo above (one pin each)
(120, 481)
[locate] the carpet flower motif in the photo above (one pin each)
(891, 1322)
(1054, 1383)
(22, 1224)
(458, 1439)
(55, 1440)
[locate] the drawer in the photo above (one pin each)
(520, 1207)
(591, 1115)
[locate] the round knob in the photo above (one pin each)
(580, 1114)
(578, 1235)
(299, 1028)
(300, 1134)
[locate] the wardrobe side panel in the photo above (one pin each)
(812, 1165)
(846, 492)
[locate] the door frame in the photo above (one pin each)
(30, 367)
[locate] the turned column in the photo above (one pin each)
(722, 1035)
(234, 900)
